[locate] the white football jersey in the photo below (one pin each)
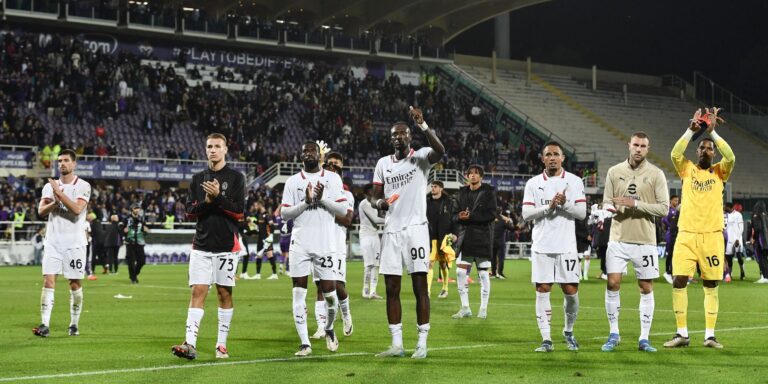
(369, 218)
(341, 244)
(734, 226)
(65, 230)
(555, 232)
(314, 229)
(406, 178)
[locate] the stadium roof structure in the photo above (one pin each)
(440, 20)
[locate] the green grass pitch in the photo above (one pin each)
(129, 340)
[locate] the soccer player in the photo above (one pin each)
(670, 223)
(636, 191)
(553, 201)
(216, 200)
(335, 163)
(734, 226)
(64, 201)
(399, 184)
(370, 243)
(313, 198)
(477, 204)
(700, 240)
(442, 233)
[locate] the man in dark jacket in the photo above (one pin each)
(112, 242)
(477, 211)
(441, 208)
(97, 240)
(135, 229)
(501, 225)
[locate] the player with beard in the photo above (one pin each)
(313, 198)
(400, 182)
(64, 202)
(700, 242)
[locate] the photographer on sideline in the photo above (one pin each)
(134, 230)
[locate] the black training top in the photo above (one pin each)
(217, 222)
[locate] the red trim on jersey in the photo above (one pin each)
(529, 203)
(76, 180)
(580, 201)
(322, 172)
(545, 175)
(346, 188)
(46, 199)
(236, 247)
(80, 198)
(286, 205)
(234, 215)
(302, 175)
(342, 199)
(377, 183)
(611, 210)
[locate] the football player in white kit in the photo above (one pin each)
(553, 200)
(400, 182)
(335, 163)
(64, 201)
(370, 243)
(313, 198)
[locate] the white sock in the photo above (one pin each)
(331, 301)
(225, 319)
(463, 287)
(397, 334)
(647, 304)
(300, 314)
(709, 333)
(544, 314)
(367, 280)
(571, 309)
(612, 309)
(75, 305)
(344, 305)
(374, 279)
(585, 271)
(684, 332)
(320, 314)
(194, 317)
(46, 306)
(423, 333)
(485, 289)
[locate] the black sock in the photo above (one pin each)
(274, 266)
(258, 265)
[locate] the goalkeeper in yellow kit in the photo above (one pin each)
(700, 239)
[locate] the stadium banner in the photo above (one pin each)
(89, 169)
(17, 159)
(506, 183)
(359, 176)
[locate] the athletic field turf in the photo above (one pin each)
(129, 340)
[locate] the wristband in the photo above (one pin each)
(423, 126)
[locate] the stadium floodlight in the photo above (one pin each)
(188, 9)
(325, 27)
(279, 21)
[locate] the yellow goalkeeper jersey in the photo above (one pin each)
(701, 209)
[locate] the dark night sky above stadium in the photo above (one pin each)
(726, 40)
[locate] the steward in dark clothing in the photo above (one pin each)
(112, 242)
(501, 225)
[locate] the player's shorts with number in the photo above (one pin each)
(371, 247)
(304, 262)
(644, 258)
(409, 247)
(561, 268)
(67, 262)
(704, 249)
(206, 268)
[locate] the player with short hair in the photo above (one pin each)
(636, 192)
(700, 241)
(64, 201)
(399, 185)
(553, 201)
(734, 229)
(335, 163)
(370, 243)
(217, 201)
(313, 198)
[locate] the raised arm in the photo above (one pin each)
(438, 149)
